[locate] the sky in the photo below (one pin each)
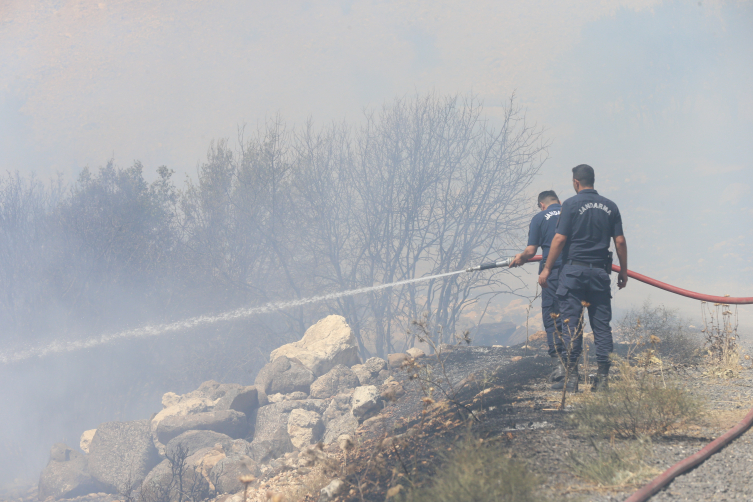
(656, 96)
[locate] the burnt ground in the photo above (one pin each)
(510, 397)
(505, 389)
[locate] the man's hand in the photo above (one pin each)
(542, 278)
(517, 261)
(622, 278)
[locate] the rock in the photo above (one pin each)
(345, 442)
(210, 396)
(326, 344)
(345, 424)
(165, 481)
(305, 428)
(368, 372)
(338, 406)
(227, 471)
(396, 360)
(193, 441)
(122, 453)
(230, 422)
(415, 352)
(60, 452)
(271, 439)
(392, 391)
(86, 439)
(66, 475)
(204, 460)
(293, 396)
(283, 376)
(336, 380)
(334, 489)
(158, 482)
(366, 402)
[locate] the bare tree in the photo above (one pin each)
(425, 186)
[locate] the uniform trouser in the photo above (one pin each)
(579, 284)
(549, 306)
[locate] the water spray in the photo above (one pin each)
(242, 313)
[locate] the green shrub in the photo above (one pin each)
(613, 466)
(639, 403)
(477, 472)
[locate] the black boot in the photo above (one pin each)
(558, 372)
(572, 381)
(601, 381)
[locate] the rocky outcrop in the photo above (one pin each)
(366, 402)
(271, 438)
(337, 380)
(370, 372)
(229, 422)
(326, 344)
(122, 453)
(284, 376)
(305, 428)
(66, 475)
(312, 391)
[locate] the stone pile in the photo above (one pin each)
(313, 390)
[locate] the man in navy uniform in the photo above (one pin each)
(540, 234)
(587, 224)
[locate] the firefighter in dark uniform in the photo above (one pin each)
(587, 224)
(540, 234)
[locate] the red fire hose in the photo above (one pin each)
(702, 455)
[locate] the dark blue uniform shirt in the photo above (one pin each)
(541, 232)
(589, 221)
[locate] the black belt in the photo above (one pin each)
(585, 264)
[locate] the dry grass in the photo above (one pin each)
(475, 471)
(640, 402)
(722, 350)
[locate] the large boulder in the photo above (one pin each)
(271, 439)
(193, 441)
(122, 453)
(210, 396)
(230, 422)
(191, 473)
(305, 428)
(284, 376)
(66, 475)
(227, 472)
(342, 424)
(370, 371)
(366, 402)
(326, 344)
(335, 381)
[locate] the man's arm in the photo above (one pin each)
(558, 244)
(621, 246)
(523, 257)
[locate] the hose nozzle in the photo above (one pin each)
(485, 266)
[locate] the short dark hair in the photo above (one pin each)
(548, 195)
(585, 174)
